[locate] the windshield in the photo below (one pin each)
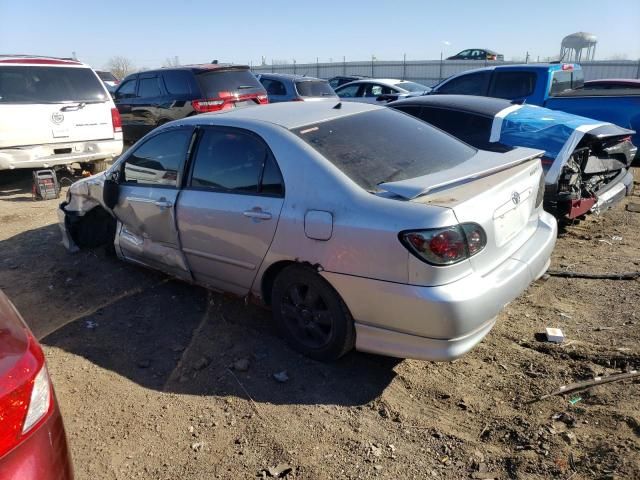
(384, 146)
(314, 88)
(49, 85)
(411, 86)
(107, 76)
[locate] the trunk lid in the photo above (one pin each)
(13, 336)
(501, 200)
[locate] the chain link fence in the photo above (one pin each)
(430, 72)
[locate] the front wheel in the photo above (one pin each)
(311, 315)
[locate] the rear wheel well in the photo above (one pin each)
(269, 277)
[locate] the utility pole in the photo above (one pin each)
(526, 58)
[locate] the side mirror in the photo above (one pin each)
(110, 192)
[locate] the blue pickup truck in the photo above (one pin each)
(551, 85)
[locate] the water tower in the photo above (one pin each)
(573, 46)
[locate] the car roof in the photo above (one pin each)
(39, 60)
(481, 49)
(200, 67)
(290, 76)
(486, 106)
(384, 81)
(287, 114)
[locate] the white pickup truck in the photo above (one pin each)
(55, 112)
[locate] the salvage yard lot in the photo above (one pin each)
(160, 379)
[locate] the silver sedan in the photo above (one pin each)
(359, 225)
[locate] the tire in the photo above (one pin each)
(97, 167)
(311, 315)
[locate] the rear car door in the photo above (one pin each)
(149, 179)
(228, 211)
(124, 99)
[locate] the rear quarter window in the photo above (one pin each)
(384, 146)
(177, 82)
(512, 85)
(314, 89)
(237, 81)
(39, 84)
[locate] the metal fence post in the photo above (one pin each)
(404, 66)
(294, 66)
(344, 65)
(372, 75)
(638, 71)
(440, 79)
(317, 68)
(272, 66)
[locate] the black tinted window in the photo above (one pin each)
(127, 89)
(176, 82)
(273, 87)
(472, 84)
(512, 85)
(50, 85)
(233, 161)
(383, 146)
(272, 183)
(214, 82)
(149, 88)
(157, 161)
(314, 89)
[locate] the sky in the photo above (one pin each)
(197, 31)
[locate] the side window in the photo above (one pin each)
(176, 82)
(349, 91)
(471, 84)
(513, 85)
(334, 82)
(375, 90)
(472, 129)
(235, 161)
(157, 161)
(149, 88)
(127, 89)
(273, 87)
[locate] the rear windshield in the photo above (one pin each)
(107, 76)
(235, 81)
(49, 85)
(562, 80)
(384, 146)
(311, 88)
(412, 87)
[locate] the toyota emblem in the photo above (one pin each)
(515, 198)
(57, 118)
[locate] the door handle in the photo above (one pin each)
(163, 204)
(258, 214)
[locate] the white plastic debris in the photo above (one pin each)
(554, 335)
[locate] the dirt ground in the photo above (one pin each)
(158, 379)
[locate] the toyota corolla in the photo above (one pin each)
(358, 225)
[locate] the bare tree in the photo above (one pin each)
(171, 62)
(120, 66)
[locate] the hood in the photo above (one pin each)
(480, 165)
(557, 133)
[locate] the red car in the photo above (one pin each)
(33, 444)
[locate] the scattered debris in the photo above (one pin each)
(595, 276)
(633, 207)
(197, 446)
(484, 475)
(573, 387)
(241, 365)
(90, 324)
(565, 315)
(554, 335)
(575, 400)
(616, 238)
(279, 471)
(281, 377)
(375, 450)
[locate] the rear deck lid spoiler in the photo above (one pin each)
(482, 164)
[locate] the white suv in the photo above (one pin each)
(54, 112)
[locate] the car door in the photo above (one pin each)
(276, 90)
(229, 209)
(147, 110)
(124, 98)
(148, 182)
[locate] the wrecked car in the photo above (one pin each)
(586, 161)
(358, 225)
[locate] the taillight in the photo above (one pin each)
(263, 99)
(116, 121)
(25, 398)
(207, 105)
(541, 188)
(445, 246)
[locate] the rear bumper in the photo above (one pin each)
(43, 156)
(444, 322)
(43, 456)
(615, 192)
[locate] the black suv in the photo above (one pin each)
(148, 99)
